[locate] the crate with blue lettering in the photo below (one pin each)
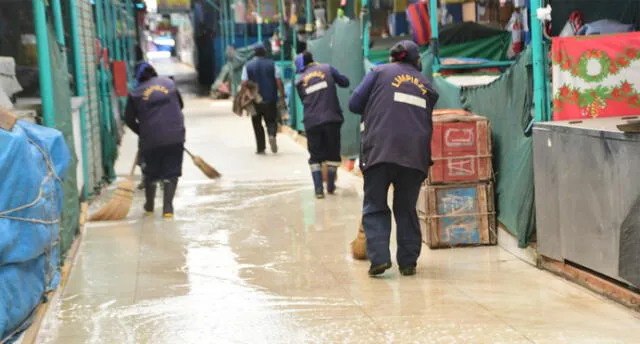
(457, 215)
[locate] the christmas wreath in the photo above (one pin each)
(604, 62)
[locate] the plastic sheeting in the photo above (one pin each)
(33, 163)
(343, 39)
(507, 103)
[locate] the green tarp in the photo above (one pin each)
(342, 40)
(62, 93)
(507, 103)
(492, 48)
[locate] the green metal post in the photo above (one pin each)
(78, 67)
(222, 36)
(44, 63)
(225, 18)
(246, 25)
(130, 40)
(281, 28)
(259, 8)
(365, 28)
(537, 44)
(434, 15)
(57, 21)
(309, 16)
(232, 23)
(105, 99)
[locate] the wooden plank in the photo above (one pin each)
(483, 219)
(433, 223)
(592, 282)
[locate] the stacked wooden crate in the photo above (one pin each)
(456, 204)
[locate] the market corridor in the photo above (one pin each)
(254, 258)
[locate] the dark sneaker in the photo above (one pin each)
(261, 153)
(274, 144)
(408, 271)
(379, 269)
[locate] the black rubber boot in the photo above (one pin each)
(408, 270)
(332, 171)
(150, 196)
(376, 270)
(170, 186)
(316, 174)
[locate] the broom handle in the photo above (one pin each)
(135, 163)
(191, 155)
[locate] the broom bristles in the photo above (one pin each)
(207, 169)
(359, 245)
(119, 205)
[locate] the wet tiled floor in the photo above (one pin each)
(254, 258)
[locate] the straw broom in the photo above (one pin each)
(207, 169)
(359, 245)
(120, 203)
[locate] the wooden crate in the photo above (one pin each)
(461, 148)
(457, 215)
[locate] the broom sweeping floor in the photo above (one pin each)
(255, 258)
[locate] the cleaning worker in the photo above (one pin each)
(154, 112)
(396, 103)
(263, 71)
(316, 85)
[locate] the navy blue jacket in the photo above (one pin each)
(316, 86)
(396, 102)
(262, 71)
(154, 112)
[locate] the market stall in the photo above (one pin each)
(586, 190)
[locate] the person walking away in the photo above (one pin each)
(396, 102)
(154, 113)
(316, 85)
(262, 71)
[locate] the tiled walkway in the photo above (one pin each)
(254, 258)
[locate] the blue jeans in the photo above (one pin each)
(376, 215)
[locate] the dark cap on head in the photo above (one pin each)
(407, 52)
(260, 50)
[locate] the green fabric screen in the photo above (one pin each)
(340, 41)
(507, 103)
(71, 209)
(493, 48)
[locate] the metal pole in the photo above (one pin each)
(433, 13)
(105, 108)
(259, 10)
(538, 63)
(281, 28)
(222, 35)
(225, 20)
(78, 67)
(132, 50)
(246, 25)
(232, 23)
(44, 64)
(365, 29)
(309, 16)
(57, 21)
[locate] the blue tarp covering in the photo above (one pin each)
(33, 162)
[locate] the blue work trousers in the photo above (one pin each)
(376, 215)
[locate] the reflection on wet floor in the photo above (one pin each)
(254, 258)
